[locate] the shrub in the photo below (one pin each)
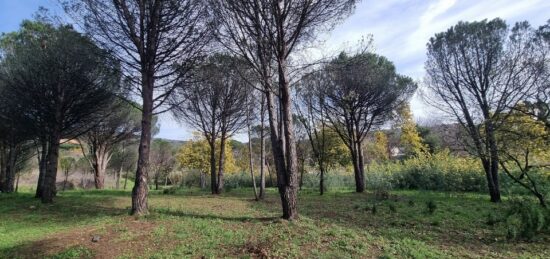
(431, 206)
(440, 172)
(525, 219)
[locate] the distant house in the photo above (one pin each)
(396, 152)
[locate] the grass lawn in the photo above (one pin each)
(195, 224)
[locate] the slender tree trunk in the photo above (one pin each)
(52, 158)
(359, 177)
(2, 166)
(10, 171)
(250, 157)
(221, 162)
(302, 171)
(42, 162)
(117, 180)
(17, 182)
(361, 167)
(66, 179)
(262, 150)
(322, 180)
(213, 173)
(125, 180)
(140, 190)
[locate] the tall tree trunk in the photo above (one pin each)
(278, 155)
(361, 164)
(250, 157)
(140, 190)
(491, 166)
(262, 150)
(221, 163)
(302, 171)
(42, 162)
(213, 173)
(10, 171)
(2, 166)
(288, 182)
(52, 158)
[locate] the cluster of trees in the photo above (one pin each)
(225, 66)
(153, 49)
(56, 84)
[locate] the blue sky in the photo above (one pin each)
(400, 28)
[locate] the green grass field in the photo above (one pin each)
(195, 224)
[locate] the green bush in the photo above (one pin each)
(431, 206)
(525, 219)
(440, 172)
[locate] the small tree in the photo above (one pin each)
(324, 142)
(120, 125)
(360, 93)
(410, 138)
(195, 155)
(67, 164)
(379, 149)
(216, 104)
(162, 160)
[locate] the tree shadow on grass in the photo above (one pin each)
(186, 214)
(66, 209)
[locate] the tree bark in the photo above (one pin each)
(250, 157)
(289, 187)
(52, 158)
(41, 168)
(358, 173)
(100, 159)
(361, 168)
(219, 187)
(2, 166)
(8, 184)
(213, 173)
(140, 190)
(262, 150)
